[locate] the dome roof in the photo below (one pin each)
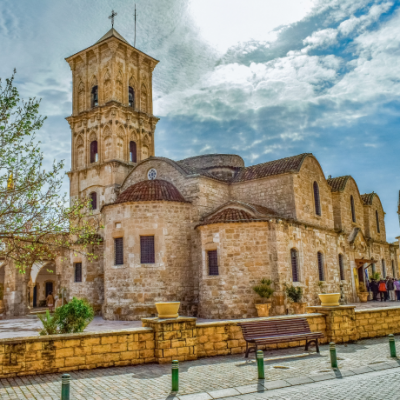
(151, 190)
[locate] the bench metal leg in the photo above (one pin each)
(312, 341)
(250, 349)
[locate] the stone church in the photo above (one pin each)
(203, 230)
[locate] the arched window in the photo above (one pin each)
(383, 268)
(377, 221)
(394, 270)
(341, 267)
(132, 151)
(131, 97)
(95, 96)
(93, 199)
(321, 272)
(295, 265)
(94, 156)
(316, 199)
(353, 210)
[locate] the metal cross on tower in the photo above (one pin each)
(113, 14)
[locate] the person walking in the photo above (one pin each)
(50, 301)
(374, 288)
(382, 290)
(390, 288)
(397, 288)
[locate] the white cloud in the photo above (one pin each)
(322, 38)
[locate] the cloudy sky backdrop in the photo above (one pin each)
(262, 78)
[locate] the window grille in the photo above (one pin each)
(341, 267)
(132, 151)
(212, 262)
(147, 253)
(317, 199)
(78, 272)
(321, 271)
(373, 268)
(295, 267)
(377, 221)
(353, 210)
(131, 97)
(393, 269)
(383, 268)
(93, 198)
(93, 151)
(119, 251)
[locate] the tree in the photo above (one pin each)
(36, 223)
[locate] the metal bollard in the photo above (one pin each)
(260, 364)
(392, 346)
(332, 350)
(65, 387)
(175, 375)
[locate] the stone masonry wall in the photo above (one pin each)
(377, 322)
(61, 353)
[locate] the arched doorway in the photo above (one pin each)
(44, 281)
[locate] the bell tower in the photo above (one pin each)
(112, 122)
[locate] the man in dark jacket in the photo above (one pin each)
(374, 288)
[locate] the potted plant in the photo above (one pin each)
(295, 294)
(327, 299)
(363, 292)
(265, 291)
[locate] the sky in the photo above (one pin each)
(264, 79)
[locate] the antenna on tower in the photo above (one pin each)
(134, 41)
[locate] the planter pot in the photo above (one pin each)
(363, 296)
(299, 308)
(263, 309)
(329, 299)
(168, 309)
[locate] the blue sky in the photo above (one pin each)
(262, 78)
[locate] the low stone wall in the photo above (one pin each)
(179, 338)
(225, 337)
(59, 353)
(377, 322)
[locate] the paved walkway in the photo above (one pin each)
(30, 325)
(210, 378)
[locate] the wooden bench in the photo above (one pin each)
(275, 331)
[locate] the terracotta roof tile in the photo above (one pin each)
(154, 190)
(367, 198)
(338, 184)
(229, 215)
(276, 167)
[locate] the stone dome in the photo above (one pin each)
(151, 190)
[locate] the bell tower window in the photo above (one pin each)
(95, 96)
(131, 97)
(94, 155)
(132, 152)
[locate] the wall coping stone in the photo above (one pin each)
(72, 336)
(168, 320)
(238, 321)
(368, 310)
(333, 308)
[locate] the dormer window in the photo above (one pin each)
(131, 97)
(94, 155)
(95, 96)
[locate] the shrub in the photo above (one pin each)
(75, 316)
(362, 288)
(376, 276)
(294, 293)
(49, 322)
(264, 289)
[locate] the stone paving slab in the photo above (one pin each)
(204, 376)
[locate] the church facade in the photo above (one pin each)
(203, 230)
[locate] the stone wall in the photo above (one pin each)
(377, 322)
(180, 338)
(60, 353)
(132, 289)
(213, 160)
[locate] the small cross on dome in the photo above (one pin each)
(113, 14)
